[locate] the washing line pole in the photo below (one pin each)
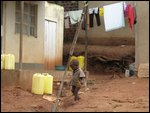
(55, 104)
(86, 42)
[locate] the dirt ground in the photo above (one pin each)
(108, 94)
(103, 94)
(15, 99)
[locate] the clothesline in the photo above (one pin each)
(114, 16)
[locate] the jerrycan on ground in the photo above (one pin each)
(12, 61)
(81, 61)
(38, 83)
(9, 61)
(2, 61)
(72, 58)
(48, 83)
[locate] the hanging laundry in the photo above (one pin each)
(135, 16)
(66, 18)
(124, 5)
(125, 9)
(92, 12)
(67, 23)
(84, 23)
(75, 16)
(101, 11)
(130, 15)
(114, 16)
(66, 14)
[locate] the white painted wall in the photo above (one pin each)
(32, 47)
(56, 13)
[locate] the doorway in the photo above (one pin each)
(49, 45)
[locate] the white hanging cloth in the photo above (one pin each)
(93, 10)
(66, 14)
(114, 16)
(75, 16)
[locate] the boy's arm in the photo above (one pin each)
(81, 80)
(82, 75)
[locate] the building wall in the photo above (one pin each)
(32, 47)
(56, 15)
(68, 6)
(142, 33)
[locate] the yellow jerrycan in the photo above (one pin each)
(72, 58)
(12, 62)
(38, 83)
(48, 83)
(2, 61)
(81, 61)
(9, 61)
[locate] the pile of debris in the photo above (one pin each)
(105, 59)
(106, 64)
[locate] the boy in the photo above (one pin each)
(77, 78)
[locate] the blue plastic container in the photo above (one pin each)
(60, 68)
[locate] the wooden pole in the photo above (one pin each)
(86, 41)
(21, 36)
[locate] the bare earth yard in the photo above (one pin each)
(104, 94)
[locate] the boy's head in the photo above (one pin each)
(74, 64)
